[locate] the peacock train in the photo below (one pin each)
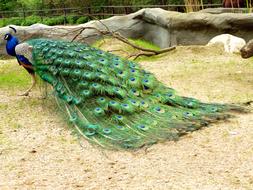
(110, 101)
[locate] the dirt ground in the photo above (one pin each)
(38, 151)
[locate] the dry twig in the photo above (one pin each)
(117, 35)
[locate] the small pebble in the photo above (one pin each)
(233, 133)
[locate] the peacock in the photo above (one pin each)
(111, 101)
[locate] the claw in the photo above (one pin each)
(26, 93)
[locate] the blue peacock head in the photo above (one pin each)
(8, 35)
(11, 41)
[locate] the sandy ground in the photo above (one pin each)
(38, 151)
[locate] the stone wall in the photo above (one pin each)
(164, 28)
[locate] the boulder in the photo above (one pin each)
(232, 44)
(247, 50)
(164, 28)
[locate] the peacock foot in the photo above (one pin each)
(24, 94)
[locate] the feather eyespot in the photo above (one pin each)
(159, 110)
(187, 114)
(107, 131)
(214, 109)
(112, 102)
(86, 92)
(120, 127)
(99, 111)
(145, 87)
(90, 133)
(77, 101)
(143, 127)
(73, 118)
(69, 99)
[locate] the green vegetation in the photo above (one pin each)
(50, 4)
(139, 42)
(56, 17)
(145, 44)
(57, 20)
(13, 76)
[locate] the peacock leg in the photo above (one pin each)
(26, 93)
(45, 91)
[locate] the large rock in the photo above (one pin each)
(164, 28)
(231, 44)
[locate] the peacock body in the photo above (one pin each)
(112, 101)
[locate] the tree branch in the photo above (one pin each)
(117, 35)
(149, 54)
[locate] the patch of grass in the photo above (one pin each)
(3, 106)
(12, 123)
(16, 126)
(124, 50)
(149, 59)
(138, 42)
(12, 75)
(145, 44)
(98, 43)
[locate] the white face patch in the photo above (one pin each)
(6, 36)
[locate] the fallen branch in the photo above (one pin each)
(148, 54)
(88, 27)
(117, 35)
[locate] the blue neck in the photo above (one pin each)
(12, 42)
